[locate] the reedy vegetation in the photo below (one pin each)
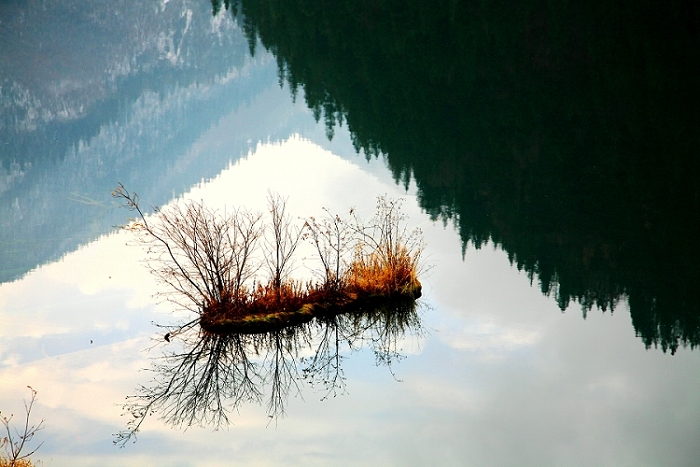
(211, 261)
(387, 255)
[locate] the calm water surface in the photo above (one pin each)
(503, 369)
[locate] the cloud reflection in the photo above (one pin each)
(211, 376)
(562, 390)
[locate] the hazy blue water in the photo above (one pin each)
(168, 101)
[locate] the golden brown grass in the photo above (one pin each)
(262, 300)
(368, 276)
(20, 463)
(209, 260)
(384, 266)
(376, 275)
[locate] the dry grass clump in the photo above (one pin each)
(262, 300)
(211, 262)
(19, 463)
(387, 255)
(372, 274)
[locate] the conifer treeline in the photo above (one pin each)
(567, 133)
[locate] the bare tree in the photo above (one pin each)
(209, 262)
(198, 385)
(204, 257)
(281, 247)
(16, 440)
(282, 350)
(213, 375)
(324, 367)
(332, 237)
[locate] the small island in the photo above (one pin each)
(255, 317)
(232, 270)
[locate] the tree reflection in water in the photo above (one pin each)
(564, 133)
(211, 375)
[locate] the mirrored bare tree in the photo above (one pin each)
(209, 376)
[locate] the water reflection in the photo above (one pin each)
(95, 93)
(504, 380)
(500, 356)
(211, 375)
(565, 134)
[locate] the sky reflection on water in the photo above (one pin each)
(502, 377)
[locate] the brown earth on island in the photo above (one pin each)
(259, 317)
(210, 263)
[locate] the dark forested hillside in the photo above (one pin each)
(567, 132)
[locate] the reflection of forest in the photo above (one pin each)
(211, 375)
(566, 133)
(87, 99)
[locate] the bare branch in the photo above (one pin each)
(15, 443)
(281, 247)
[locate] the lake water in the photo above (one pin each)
(518, 358)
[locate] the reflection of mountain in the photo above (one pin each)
(131, 89)
(568, 134)
(209, 376)
(70, 67)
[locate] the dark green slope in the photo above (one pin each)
(565, 132)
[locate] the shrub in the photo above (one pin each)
(210, 261)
